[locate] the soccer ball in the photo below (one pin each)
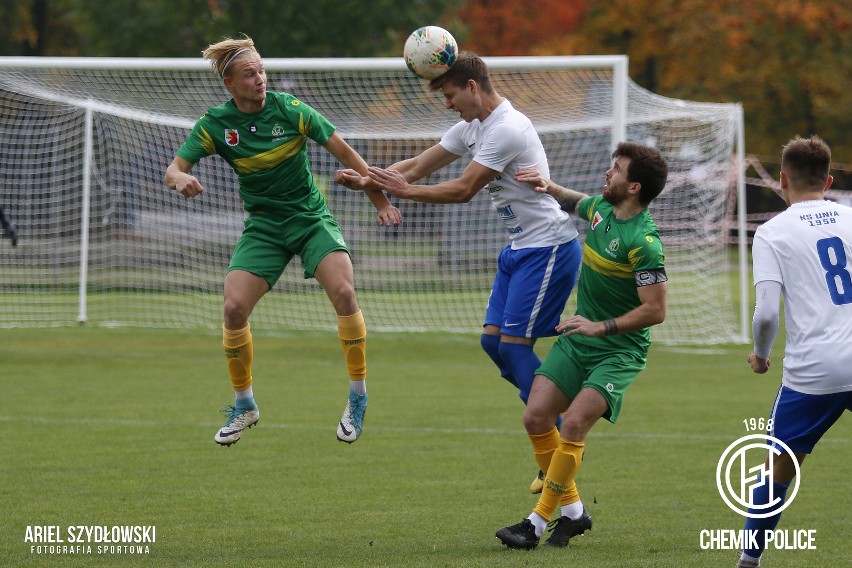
(430, 51)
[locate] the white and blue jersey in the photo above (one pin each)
(505, 142)
(539, 267)
(808, 250)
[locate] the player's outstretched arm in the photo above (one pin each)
(411, 170)
(357, 168)
(424, 164)
(179, 179)
(460, 190)
(351, 179)
(567, 198)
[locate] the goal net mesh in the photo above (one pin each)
(152, 258)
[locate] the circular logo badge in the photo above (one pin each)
(737, 477)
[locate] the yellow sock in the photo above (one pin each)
(571, 494)
(239, 351)
(353, 337)
(543, 447)
(559, 481)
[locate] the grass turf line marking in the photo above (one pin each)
(281, 426)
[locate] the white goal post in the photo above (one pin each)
(85, 143)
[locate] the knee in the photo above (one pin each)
(491, 345)
(342, 296)
(536, 421)
(505, 351)
(508, 353)
(236, 312)
(575, 427)
(516, 351)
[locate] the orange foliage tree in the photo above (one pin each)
(788, 61)
(512, 27)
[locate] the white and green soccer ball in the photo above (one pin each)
(430, 51)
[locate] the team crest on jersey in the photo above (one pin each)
(277, 130)
(232, 137)
(613, 245)
(596, 220)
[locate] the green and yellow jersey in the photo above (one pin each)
(267, 150)
(618, 257)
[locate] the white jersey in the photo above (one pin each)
(808, 249)
(505, 142)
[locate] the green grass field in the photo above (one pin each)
(115, 426)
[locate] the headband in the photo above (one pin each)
(231, 59)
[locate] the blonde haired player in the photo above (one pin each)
(263, 136)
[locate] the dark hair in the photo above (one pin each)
(647, 167)
(806, 161)
(468, 66)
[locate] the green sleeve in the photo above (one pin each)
(647, 253)
(586, 206)
(305, 118)
(198, 144)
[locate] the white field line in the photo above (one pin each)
(318, 427)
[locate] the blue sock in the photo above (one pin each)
(522, 362)
(491, 346)
(760, 496)
(246, 403)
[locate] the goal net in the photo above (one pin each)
(85, 143)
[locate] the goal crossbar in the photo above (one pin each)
(87, 141)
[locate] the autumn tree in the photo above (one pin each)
(333, 28)
(510, 27)
(37, 27)
(181, 28)
(787, 61)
